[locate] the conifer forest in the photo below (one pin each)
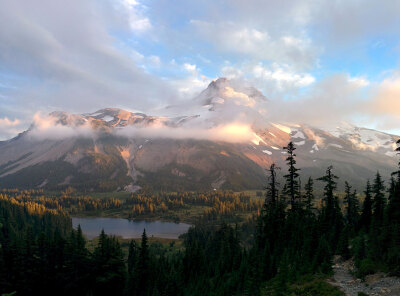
(286, 246)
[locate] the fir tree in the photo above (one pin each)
(330, 218)
(392, 188)
(378, 203)
(352, 206)
(397, 173)
(309, 194)
(366, 214)
(142, 272)
(329, 188)
(292, 189)
(272, 192)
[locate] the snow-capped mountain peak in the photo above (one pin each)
(223, 90)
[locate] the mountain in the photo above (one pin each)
(220, 139)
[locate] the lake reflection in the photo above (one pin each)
(91, 227)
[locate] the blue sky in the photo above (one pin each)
(320, 62)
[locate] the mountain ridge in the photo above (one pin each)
(207, 148)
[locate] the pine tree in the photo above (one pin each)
(352, 207)
(329, 188)
(397, 173)
(378, 203)
(392, 188)
(292, 184)
(142, 271)
(330, 219)
(309, 194)
(272, 192)
(366, 214)
(109, 266)
(132, 256)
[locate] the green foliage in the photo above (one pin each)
(366, 267)
(290, 253)
(366, 215)
(304, 286)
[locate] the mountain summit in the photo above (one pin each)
(222, 140)
(222, 90)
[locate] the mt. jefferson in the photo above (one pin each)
(224, 140)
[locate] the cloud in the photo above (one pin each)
(137, 21)
(334, 99)
(9, 127)
(50, 127)
(64, 57)
(9, 123)
(384, 104)
(231, 133)
(258, 44)
(190, 83)
(275, 79)
(93, 54)
(342, 23)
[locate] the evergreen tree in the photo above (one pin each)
(132, 256)
(309, 194)
(330, 219)
(378, 203)
(329, 188)
(142, 270)
(352, 207)
(392, 188)
(292, 189)
(366, 214)
(272, 192)
(109, 266)
(397, 173)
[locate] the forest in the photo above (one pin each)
(288, 250)
(175, 206)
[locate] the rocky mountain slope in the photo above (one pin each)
(220, 139)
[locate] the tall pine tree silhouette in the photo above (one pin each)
(378, 203)
(309, 194)
(366, 214)
(272, 191)
(291, 188)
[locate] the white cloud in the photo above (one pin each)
(232, 132)
(189, 81)
(7, 122)
(190, 68)
(258, 44)
(137, 21)
(67, 59)
(359, 81)
(383, 105)
(48, 127)
(283, 76)
(9, 127)
(274, 79)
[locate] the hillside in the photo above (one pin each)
(224, 141)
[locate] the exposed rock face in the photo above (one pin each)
(220, 140)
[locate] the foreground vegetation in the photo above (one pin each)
(290, 254)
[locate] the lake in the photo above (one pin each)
(91, 227)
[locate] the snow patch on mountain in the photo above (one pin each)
(283, 128)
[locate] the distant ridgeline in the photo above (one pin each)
(288, 247)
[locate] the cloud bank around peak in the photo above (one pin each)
(49, 127)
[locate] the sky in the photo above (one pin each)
(319, 62)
